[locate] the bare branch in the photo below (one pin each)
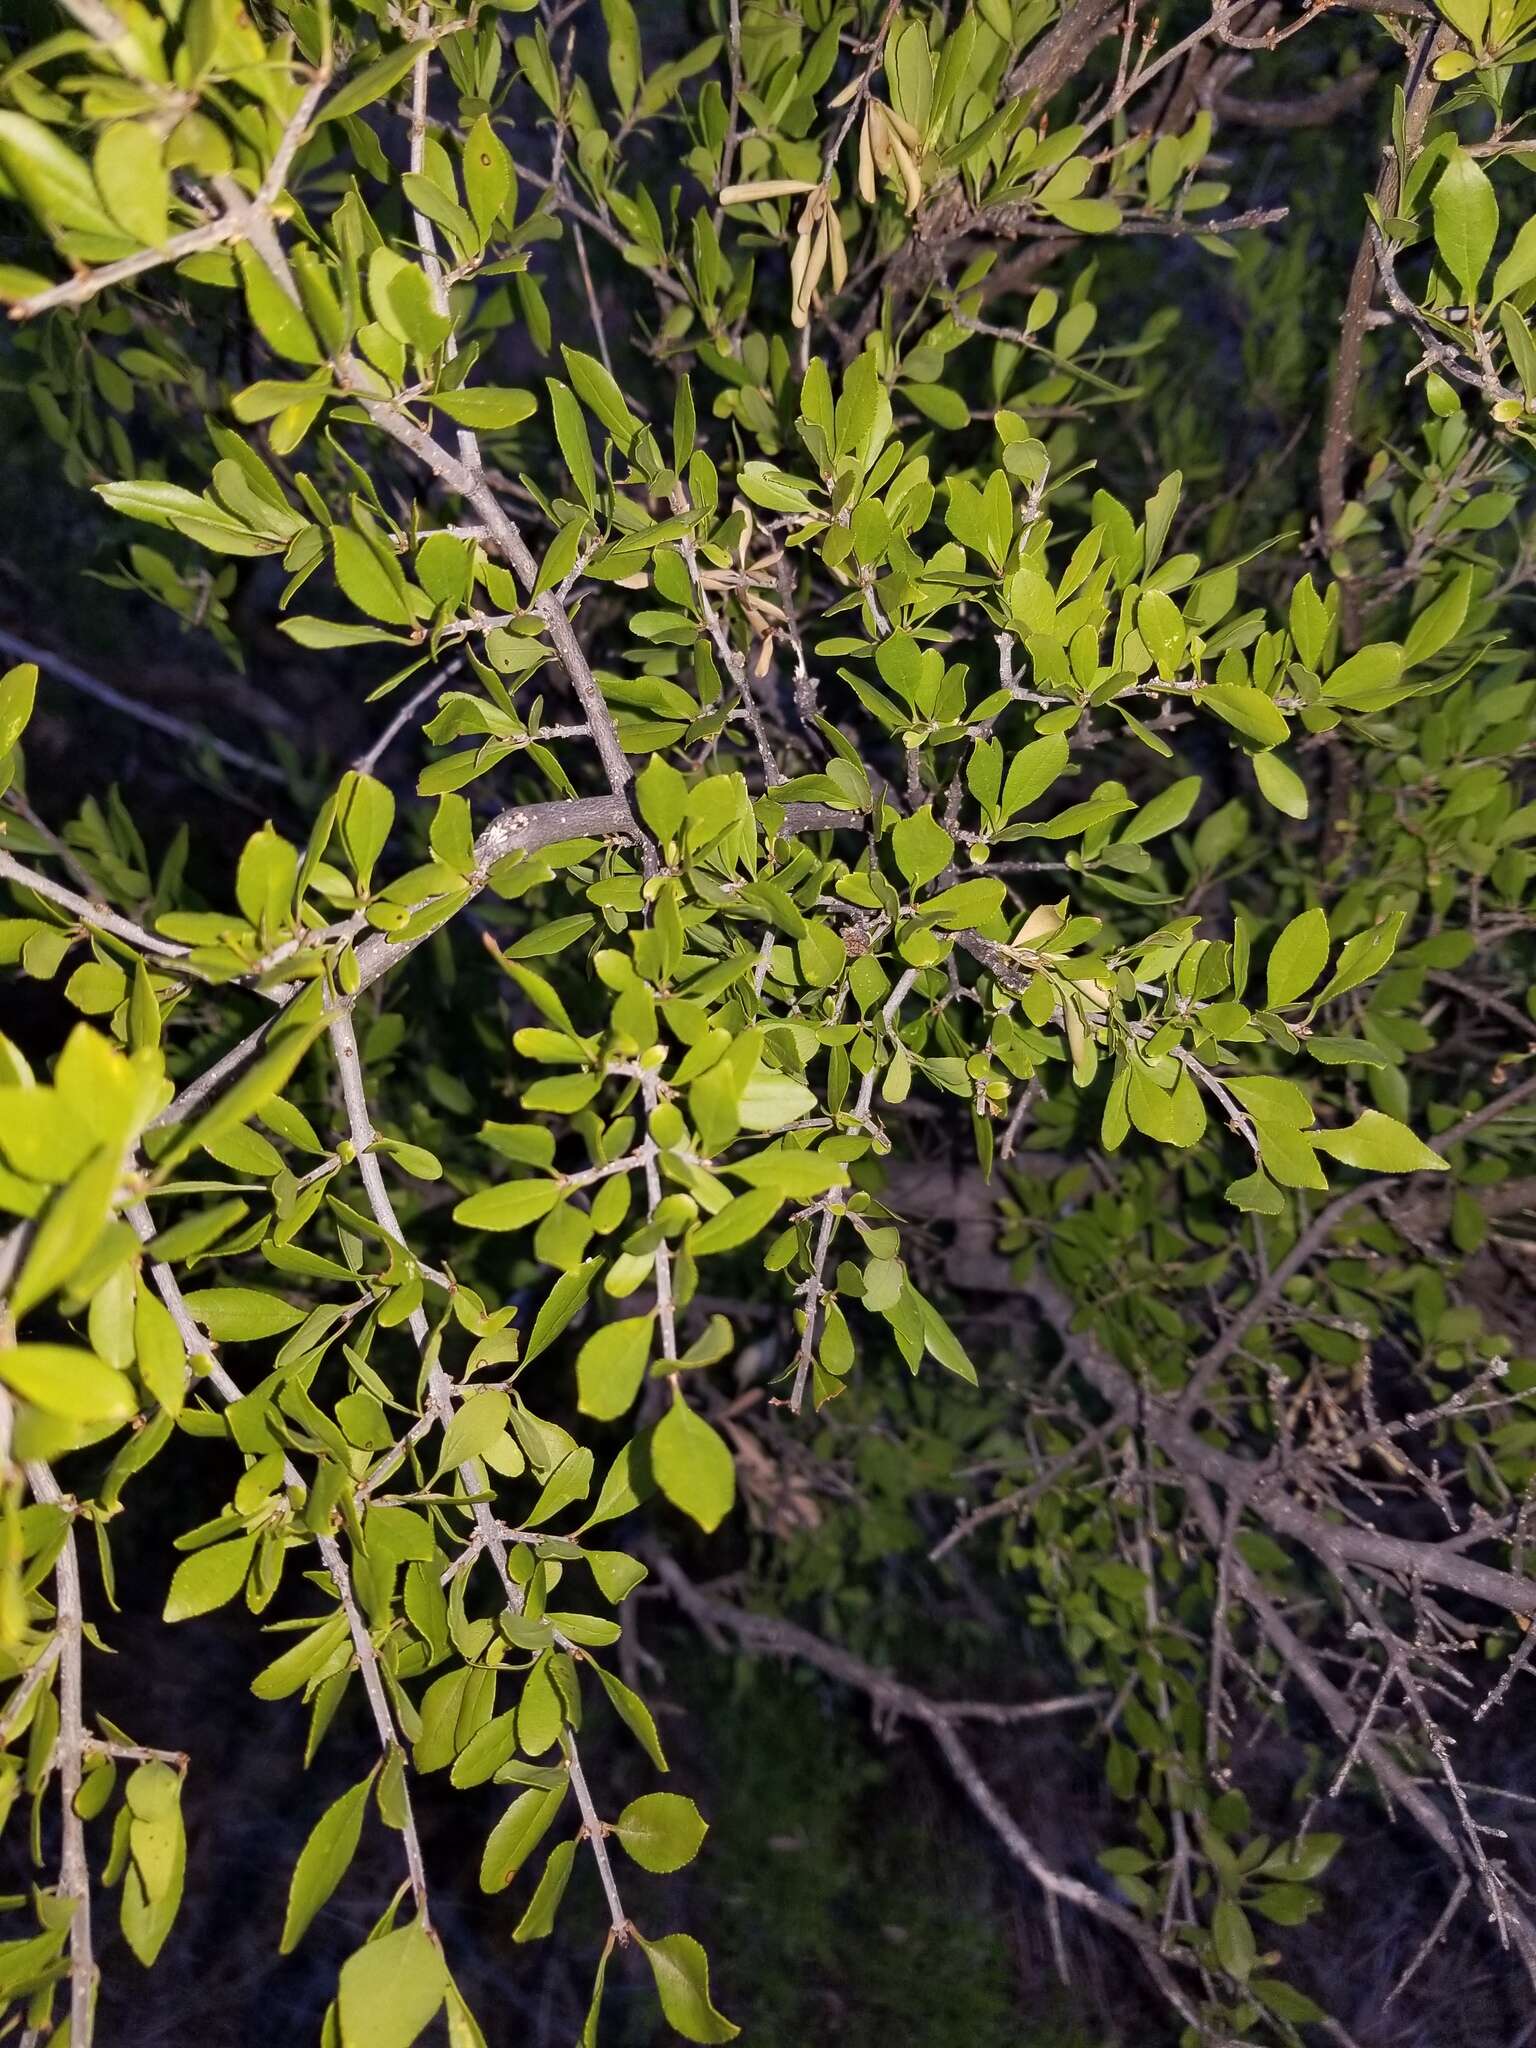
(768, 1635)
(80, 679)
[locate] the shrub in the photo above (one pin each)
(947, 788)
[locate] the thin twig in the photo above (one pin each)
(196, 1346)
(77, 678)
(74, 1873)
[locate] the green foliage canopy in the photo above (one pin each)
(851, 714)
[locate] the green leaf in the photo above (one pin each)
(1161, 625)
(365, 814)
(1519, 266)
(623, 51)
(64, 1381)
(366, 581)
(18, 285)
(921, 846)
(1255, 716)
(290, 1672)
(1367, 953)
(662, 795)
(153, 1880)
(18, 693)
(1281, 785)
(798, 1176)
(575, 444)
(1031, 772)
(1258, 1194)
(1379, 1144)
(1303, 1861)
(769, 1101)
(1236, 1949)
(265, 879)
(597, 390)
(1369, 680)
(1344, 1052)
(627, 1482)
(539, 1920)
(774, 489)
(742, 1218)
(487, 174)
(483, 407)
(324, 1861)
(1172, 1116)
(517, 1834)
(322, 633)
(1466, 217)
(512, 1206)
(391, 1990)
(561, 1303)
(693, 1466)
(280, 323)
(617, 1573)
(266, 1077)
(570, 1481)
(371, 84)
(51, 179)
(157, 504)
(940, 1340)
(610, 1367)
(476, 1426)
(69, 1228)
(595, 2007)
(1440, 621)
(1168, 809)
(634, 1713)
(1297, 958)
(131, 176)
(242, 1315)
(208, 1578)
(1286, 2002)
(560, 556)
(681, 1970)
(661, 1831)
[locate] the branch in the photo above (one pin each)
(69, 1748)
(767, 1635)
(1258, 1486)
(1316, 1235)
(36, 1672)
(229, 226)
(1350, 360)
(1315, 110)
(195, 1344)
(367, 761)
(159, 721)
(440, 1392)
(521, 828)
(94, 915)
(1063, 49)
(505, 537)
(814, 1285)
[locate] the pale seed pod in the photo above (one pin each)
(811, 212)
(764, 188)
(866, 161)
(905, 130)
(811, 276)
(797, 269)
(879, 136)
(837, 249)
(907, 170)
